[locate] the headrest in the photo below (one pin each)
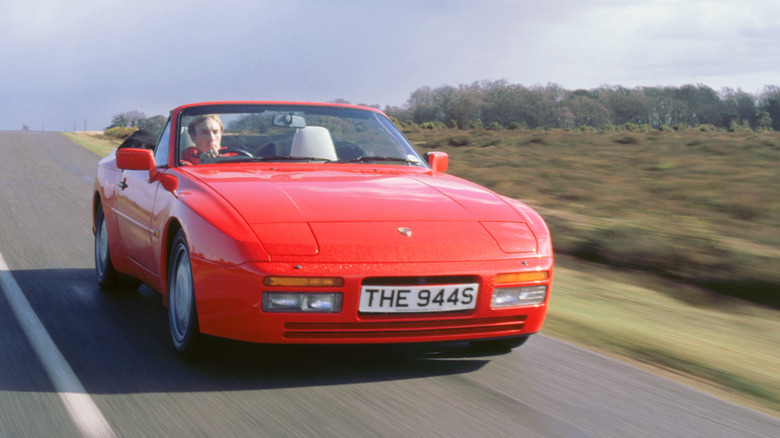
(313, 141)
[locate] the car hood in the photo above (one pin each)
(372, 216)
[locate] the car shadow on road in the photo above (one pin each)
(118, 342)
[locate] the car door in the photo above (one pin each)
(134, 207)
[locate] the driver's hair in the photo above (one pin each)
(200, 119)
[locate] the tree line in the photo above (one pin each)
(501, 105)
(123, 124)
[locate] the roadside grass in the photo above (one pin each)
(717, 343)
(652, 231)
(96, 142)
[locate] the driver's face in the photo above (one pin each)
(208, 134)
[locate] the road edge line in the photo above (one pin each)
(80, 406)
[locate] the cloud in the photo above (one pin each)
(71, 60)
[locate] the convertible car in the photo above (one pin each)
(281, 222)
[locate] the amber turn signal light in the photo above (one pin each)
(522, 277)
(303, 281)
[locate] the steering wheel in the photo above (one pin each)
(237, 152)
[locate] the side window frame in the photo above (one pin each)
(163, 145)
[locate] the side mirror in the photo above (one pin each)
(136, 159)
(142, 159)
(438, 161)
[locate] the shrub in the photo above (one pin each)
(432, 125)
(627, 139)
(707, 128)
(609, 128)
(459, 140)
(119, 131)
(739, 127)
(681, 127)
(398, 124)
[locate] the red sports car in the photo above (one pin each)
(280, 222)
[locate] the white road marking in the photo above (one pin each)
(80, 406)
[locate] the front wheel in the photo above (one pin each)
(182, 309)
(104, 269)
(107, 277)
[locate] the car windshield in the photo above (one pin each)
(291, 133)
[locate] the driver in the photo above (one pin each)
(206, 132)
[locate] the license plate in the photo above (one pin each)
(406, 299)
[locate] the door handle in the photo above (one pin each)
(122, 184)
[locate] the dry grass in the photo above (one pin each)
(702, 208)
(94, 141)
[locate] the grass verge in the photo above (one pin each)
(719, 344)
(95, 142)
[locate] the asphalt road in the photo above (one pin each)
(118, 375)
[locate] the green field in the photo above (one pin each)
(667, 243)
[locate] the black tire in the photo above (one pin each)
(499, 345)
(104, 269)
(182, 309)
(107, 277)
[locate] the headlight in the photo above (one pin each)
(301, 302)
(518, 296)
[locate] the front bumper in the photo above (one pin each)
(228, 301)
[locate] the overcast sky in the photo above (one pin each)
(67, 61)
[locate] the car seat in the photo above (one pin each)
(315, 142)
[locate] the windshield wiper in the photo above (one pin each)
(365, 159)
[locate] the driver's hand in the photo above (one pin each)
(210, 154)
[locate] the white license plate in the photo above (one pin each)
(406, 299)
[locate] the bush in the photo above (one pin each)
(707, 128)
(739, 127)
(495, 126)
(119, 132)
(627, 139)
(681, 127)
(459, 140)
(630, 127)
(398, 124)
(432, 125)
(609, 128)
